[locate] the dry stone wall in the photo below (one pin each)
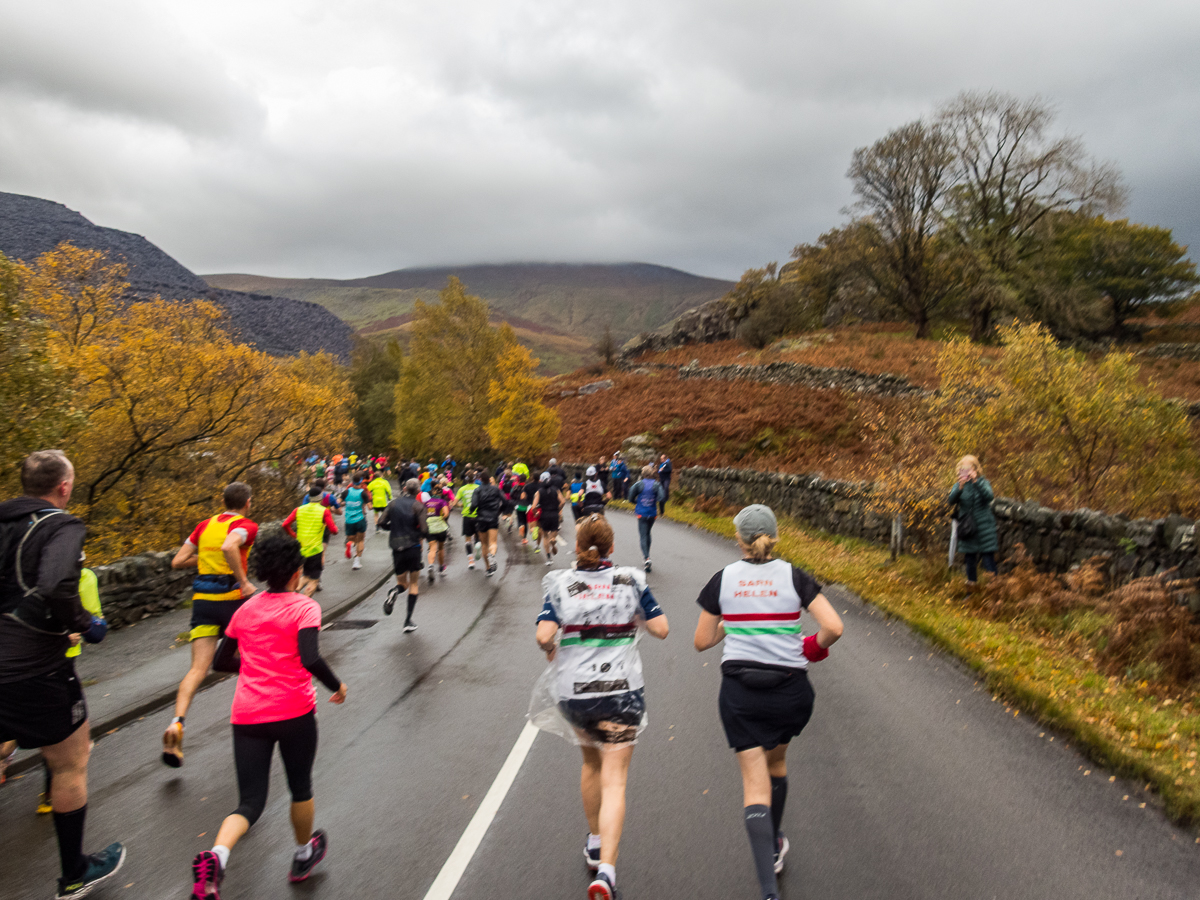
(139, 586)
(1057, 540)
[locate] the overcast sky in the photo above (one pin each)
(348, 138)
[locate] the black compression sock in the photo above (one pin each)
(69, 827)
(762, 846)
(778, 799)
(412, 604)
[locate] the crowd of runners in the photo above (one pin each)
(253, 614)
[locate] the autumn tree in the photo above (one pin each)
(901, 182)
(36, 409)
(523, 427)
(442, 398)
(606, 347)
(174, 408)
(1009, 173)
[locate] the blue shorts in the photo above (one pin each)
(353, 528)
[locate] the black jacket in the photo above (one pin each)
(34, 627)
(404, 518)
(486, 501)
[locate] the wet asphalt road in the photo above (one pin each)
(910, 782)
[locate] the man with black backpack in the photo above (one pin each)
(41, 699)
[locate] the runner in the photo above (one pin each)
(463, 501)
(486, 503)
(508, 507)
(355, 520)
(595, 497)
(217, 548)
(41, 700)
(755, 606)
(381, 494)
(272, 643)
(521, 470)
(598, 606)
(547, 511)
(558, 475)
(647, 493)
(312, 522)
(576, 490)
(664, 478)
(405, 518)
(521, 501)
(437, 522)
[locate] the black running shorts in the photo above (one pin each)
(353, 528)
(42, 711)
(313, 566)
(209, 617)
(407, 560)
(548, 520)
(755, 717)
(468, 526)
(607, 720)
(482, 525)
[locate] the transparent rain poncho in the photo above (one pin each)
(591, 693)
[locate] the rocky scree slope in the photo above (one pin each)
(30, 226)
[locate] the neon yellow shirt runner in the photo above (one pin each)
(381, 491)
(464, 499)
(310, 528)
(521, 469)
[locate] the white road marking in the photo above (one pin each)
(452, 872)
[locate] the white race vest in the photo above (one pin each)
(761, 611)
(597, 612)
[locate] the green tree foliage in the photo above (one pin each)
(1123, 264)
(524, 427)
(374, 370)
(901, 181)
(36, 409)
(441, 399)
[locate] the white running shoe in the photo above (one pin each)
(470, 562)
(781, 849)
(357, 564)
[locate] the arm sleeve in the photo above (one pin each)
(805, 585)
(287, 523)
(650, 607)
(311, 659)
(329, 523)
(710, 595)
(548, 614)
(660, 491)
(58, 577)
(227, 659)
(985, 490)
(955, 494)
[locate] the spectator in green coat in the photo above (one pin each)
(973, 496)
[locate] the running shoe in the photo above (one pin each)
(172, 752)
(44, 808)
(524, 541)
(357, 564)
(549, 561)
(100, 867)
(470, 562)
(602, 889)
(479, 549)
(207, 874)
(390, 602)
(591, 857)
(302, 868)
(348, 545)
(431, 573)
(648, 564)
(781, 850)
(410, 627)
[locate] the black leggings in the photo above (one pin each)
(973, 561)
(253, 747)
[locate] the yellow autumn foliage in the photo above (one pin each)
(524, 427)
(174, 408)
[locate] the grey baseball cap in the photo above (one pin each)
(754, 520)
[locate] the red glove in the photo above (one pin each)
(814, 651)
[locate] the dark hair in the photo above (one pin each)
(358, 479)
(43, 471)
(316, 489)
(485, 477)
(593, 541)
(237, 494)
(276, 559)
(319, 483)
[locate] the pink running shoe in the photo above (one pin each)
(206, 876)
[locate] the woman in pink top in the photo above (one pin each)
(271, 642)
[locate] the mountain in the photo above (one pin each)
(30, 226)
(557, 309)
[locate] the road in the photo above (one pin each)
(910, 782)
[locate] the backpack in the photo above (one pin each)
(25, 604)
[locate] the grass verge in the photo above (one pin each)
(1127, 726)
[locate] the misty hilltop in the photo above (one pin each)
(557, 309)
(30, 226)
